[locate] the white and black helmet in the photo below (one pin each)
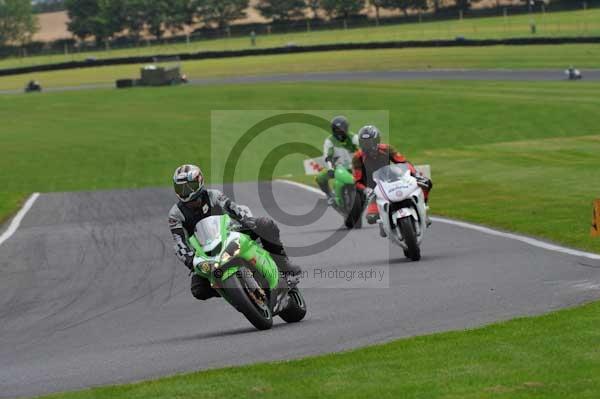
(369, 138)
(188, 182)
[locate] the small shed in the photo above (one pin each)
(158, 75)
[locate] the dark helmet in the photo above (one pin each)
(339, 127)
(369, 138)
(188, 182)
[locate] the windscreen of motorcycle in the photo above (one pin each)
(208, 233)
(391, 173)
(395, 182)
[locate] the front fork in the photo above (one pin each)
(388, 225)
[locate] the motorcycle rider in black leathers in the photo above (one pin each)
(196, 202)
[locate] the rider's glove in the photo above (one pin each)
(331, 173)
(185, 255)
(424, 183)
(248, 223)
(369, 192)
(239, 211)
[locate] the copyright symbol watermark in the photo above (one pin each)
(255, 148)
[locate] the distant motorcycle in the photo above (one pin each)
(33, 86)
(349, 202)
(243, 273)
(573, 74)
(402, 208)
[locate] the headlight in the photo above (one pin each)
(232, 250)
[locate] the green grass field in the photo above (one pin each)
(503, 153)
(498, 57)
(573, 23)
(553, 356)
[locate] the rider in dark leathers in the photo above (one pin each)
(196, 202)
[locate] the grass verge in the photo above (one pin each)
(522, 156)
(552, 356)
(497, 57)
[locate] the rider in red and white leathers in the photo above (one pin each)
(371, 157)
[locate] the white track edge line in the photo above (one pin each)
(524, 239)
(16, 221)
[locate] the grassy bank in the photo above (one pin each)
(553, 356)
(572, 23)
(498, 57)
(521, 185)
(521, 156)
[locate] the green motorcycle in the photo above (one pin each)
(349, 202)
(243, 273)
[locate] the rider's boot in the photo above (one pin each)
(372, 213)
(324, 186)
(286, 268)
(372, 218)
(331, 201)
(330, 197)
(269, 235)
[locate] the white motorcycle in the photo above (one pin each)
(573, 74)
(402, 208)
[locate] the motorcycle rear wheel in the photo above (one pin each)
(296, 309)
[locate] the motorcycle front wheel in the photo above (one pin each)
(409, 234)
(238, 295)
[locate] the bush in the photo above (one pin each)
(59, 45)
(34, 47)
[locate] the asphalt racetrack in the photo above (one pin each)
(91, 293)
(547, 75)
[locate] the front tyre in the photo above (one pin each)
(296, 309)
(237, 294)
(409, 234)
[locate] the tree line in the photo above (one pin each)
(104, 19)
